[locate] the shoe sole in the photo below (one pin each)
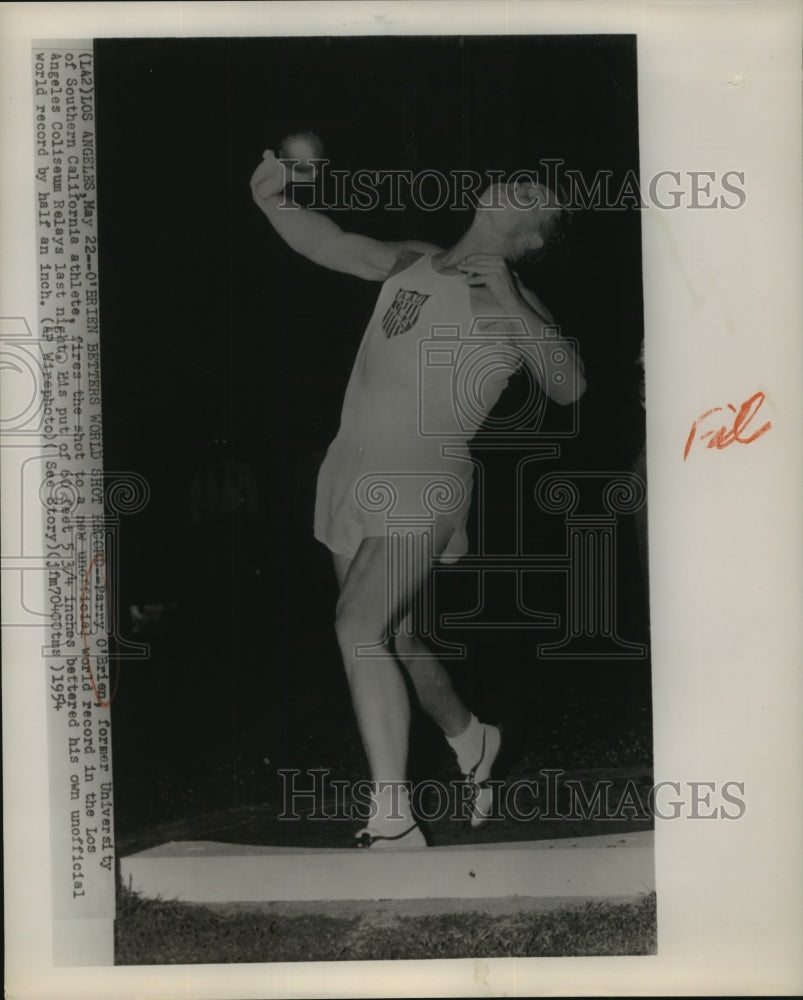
(410, 838)
(485, 795)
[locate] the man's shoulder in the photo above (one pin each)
(405, 259)
(408, 252)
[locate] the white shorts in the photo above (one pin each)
(365, 491)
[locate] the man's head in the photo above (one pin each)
(527, 214)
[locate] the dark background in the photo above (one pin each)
(211, 326)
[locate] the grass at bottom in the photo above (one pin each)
(158, 932)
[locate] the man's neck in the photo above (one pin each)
(478, 238)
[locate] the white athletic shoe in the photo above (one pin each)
(483, 797)
(371, 838)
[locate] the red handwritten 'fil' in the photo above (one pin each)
(736, 433)
(97, 558)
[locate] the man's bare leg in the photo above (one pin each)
(475, 745)
(378, 692)
(432, 683)
(366, 615)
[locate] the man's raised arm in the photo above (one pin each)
(316, 236)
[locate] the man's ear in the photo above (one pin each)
(533, 241)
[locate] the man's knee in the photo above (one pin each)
(406, 645)
(354, 628)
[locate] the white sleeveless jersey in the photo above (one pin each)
(420, 388)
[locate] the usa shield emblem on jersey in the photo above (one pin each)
(403, 312)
